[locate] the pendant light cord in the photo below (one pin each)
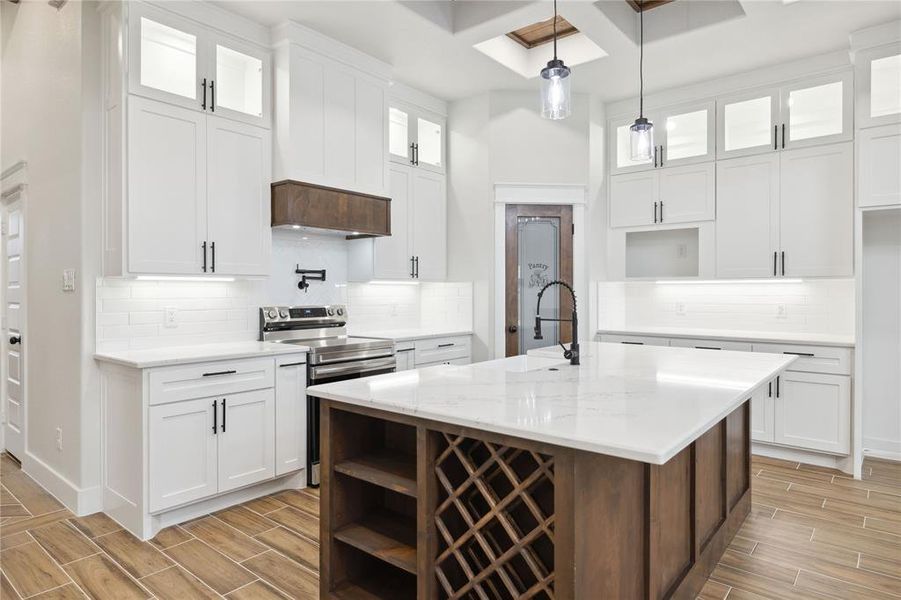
(555, 29)
(640, 58)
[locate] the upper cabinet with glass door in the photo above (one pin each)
(878, 85)
(682, 135)
(175, 60)
(808, 112)
(416, 137)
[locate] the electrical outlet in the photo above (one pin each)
(680, 309)
(69, 280)
(59, 439)
(781, 311)
(171, 318)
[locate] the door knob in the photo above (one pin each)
(512, 328)
(16, 339)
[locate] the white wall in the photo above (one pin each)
(881, 332)
(811, 306)
(45, 115)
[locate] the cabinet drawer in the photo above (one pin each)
(710, 345)
(637, 340)
(813, 359)
(439, 350)
(171, 384)
(453, 361)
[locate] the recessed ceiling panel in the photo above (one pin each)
(542, 32)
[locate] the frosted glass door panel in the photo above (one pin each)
(429, 138)
(398, 134)
(239, 81)
(168, 59)
(815, 112)
(885, 86)
(686, 135)
(539, 258)
(748, 124)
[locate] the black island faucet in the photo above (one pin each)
(573, 353)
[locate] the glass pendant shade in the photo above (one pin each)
(556, 97)
(641, 133)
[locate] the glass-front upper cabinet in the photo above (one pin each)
(174, 60)
(619, 147)
(687, 135)
(878, 72)
(416, 137)
(811, 111)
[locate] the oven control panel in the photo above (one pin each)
(331, 314)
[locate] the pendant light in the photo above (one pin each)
(642, 130)
(556, 99)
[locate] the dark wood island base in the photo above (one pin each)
(413, 508)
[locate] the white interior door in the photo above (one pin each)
(817, 211)
(246, 438)
(238, 205)
(747, 216)
(13, 305)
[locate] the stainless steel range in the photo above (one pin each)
(334, 356)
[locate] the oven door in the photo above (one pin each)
(328, 374)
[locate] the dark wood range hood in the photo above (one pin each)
(318, 207)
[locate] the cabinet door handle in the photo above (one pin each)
(215, 373)
(203, 245)
(655, 157)
(775, 254)
(416, 154)
(783, 263)
(212, 95)
(412, 154)
(777, 386)
(223, 415)
(215, 417)
(412, 267)
(661, 155)
(213, 252)
(769, 391)
(783, 136)
(203, 102)
(775, 137)
(655, 212)
(417, 258)
(661, 202)
(809, 354)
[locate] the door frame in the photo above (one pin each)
(574, 195)
(13, 188)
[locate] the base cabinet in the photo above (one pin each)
(762, 410)
(813, 410)
(290, 415)
(246, 439)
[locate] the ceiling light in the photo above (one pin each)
(642, 130)
(556, 84)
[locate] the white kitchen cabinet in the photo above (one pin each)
(817, 211)
(183, 452)
(198, 198)
(879, 166)
(290, 415)
(330, 122)
(177, 60)
(417, 246)
(813, 411)
(442, 350)
(810, 111)
(674, 195)
(416, 137)
(167, 188)
(878, 85)
(763, 422)
(246, 438)
(404, 356)
(747, 216)
(700, 344)
(238, 206)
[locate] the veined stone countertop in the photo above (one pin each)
(176, 355)
(642, 403)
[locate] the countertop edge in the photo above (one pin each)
(381, 335)
(726, 337)
(111, 358)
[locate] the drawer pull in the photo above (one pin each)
(445, 345)
(294, 364)
(404, 350)
(219, 373)
(800, 354)
(633, 343)
(707, 348)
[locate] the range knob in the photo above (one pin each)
(283, 314)
(340, 311)
(272, 313)
(331, 312)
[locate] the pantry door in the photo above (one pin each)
(13, 385)
(539, 249)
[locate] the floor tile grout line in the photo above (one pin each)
(246, 584)
(10, 581)
(274, 584)
(176, 565)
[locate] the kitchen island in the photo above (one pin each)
(527, 477)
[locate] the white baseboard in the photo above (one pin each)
(842, 463)
(882, 448)
(883, 454)
(81, 501)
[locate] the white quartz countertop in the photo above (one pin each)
(776, 337)
(643, 403)
(412, 333)
(174, 355)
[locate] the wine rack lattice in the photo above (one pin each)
(495, 521)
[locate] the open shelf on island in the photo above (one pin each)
(391, 469)
(385, 535)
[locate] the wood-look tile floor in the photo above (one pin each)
(813, 533)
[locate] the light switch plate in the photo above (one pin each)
(69, 280)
